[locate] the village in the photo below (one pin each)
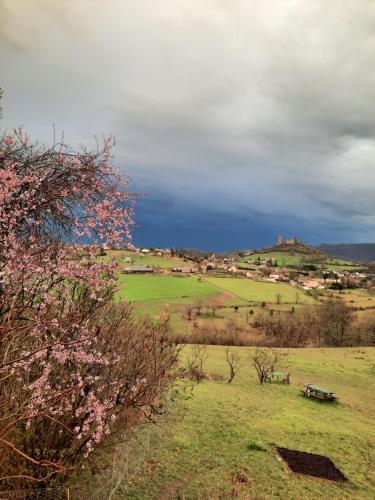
(288, 261)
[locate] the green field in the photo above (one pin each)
(260, 291)
(343, 267)
(174, 289)
(215, 434)
(282, 258)
(340, 262)
(121, 257)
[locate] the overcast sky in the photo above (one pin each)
(239, 119)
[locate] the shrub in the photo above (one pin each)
(255, 447)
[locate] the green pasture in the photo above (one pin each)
(174, 289)
(122, 257)
(260, 291)
(249, 267)
(282, 258)
(150, 293)
(228, 431)
(340, 262)
(342, 267)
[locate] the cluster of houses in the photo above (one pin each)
(160, 252)
(265, 269)
(311, 280)
(188, 265)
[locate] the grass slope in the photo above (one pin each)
(282, 258)
(260, 291)
(295, 258)
(222, 430)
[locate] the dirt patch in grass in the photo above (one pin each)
(221, 299)
(169, 491)
(311, 464)
(238, 480)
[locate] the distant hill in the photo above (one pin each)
(297, 247)
(357, 252)
(297, 253)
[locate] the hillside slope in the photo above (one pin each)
(359, 252)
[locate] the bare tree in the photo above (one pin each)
(189, 312)
(265, 361)
(198, 356)
(334, 320)
(213, 309)
(293, 329)
(233, 359)
(198, 308)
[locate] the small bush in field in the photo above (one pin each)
(254, 447)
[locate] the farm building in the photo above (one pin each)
(138, 270)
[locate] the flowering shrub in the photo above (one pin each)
(73, 364)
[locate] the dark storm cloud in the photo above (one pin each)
(224, 108)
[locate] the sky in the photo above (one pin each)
(237, 119)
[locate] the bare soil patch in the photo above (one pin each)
(311, 464)
(220, 299)
(169, 491)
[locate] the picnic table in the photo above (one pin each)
(314, 391)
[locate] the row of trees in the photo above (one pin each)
(264, 361)
(329, 324)
(74, 366)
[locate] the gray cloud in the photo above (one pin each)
(250, 105)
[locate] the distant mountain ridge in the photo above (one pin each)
(358, 252)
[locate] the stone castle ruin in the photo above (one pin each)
(291, 241)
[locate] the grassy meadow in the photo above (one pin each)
(145, 288)
(234, 297)
(282, 258)
(261, 291)
(228, 431)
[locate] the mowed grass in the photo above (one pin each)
(260, 291)
(228, 430)
(174, 289)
